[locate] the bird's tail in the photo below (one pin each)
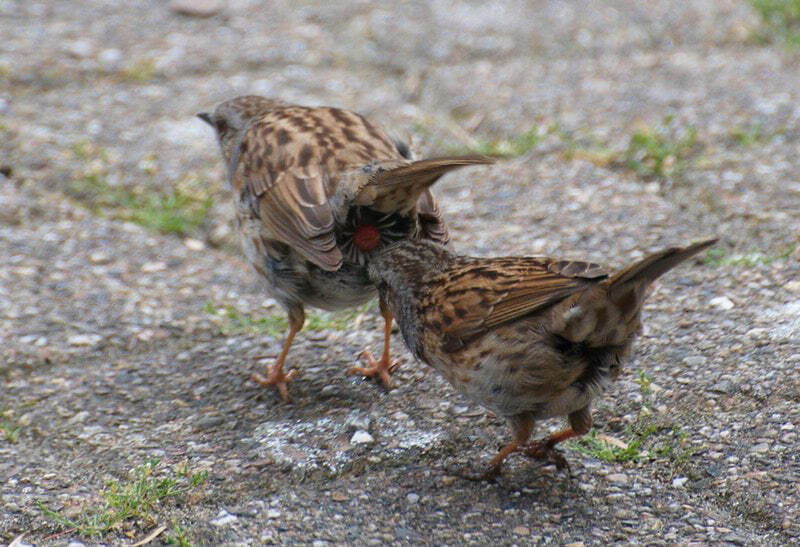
(609, 314)
(654, 266)
(394, 187)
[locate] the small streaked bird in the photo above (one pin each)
(526, 337)
(317, 189)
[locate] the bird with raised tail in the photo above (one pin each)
(527, 337)
(317, 190)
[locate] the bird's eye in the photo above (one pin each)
(221, 125)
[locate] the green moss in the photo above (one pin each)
(721, 258)
(140, 72)
(231, 321)
(780, 21)
(177, 210)
(660, 151)
(9, 428)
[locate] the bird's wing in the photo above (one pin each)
(288, 190)
(482, 294)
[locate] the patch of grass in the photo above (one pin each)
(600, 448)
(178, 536)
(749, 135)
(140, 72)
(645, 440)
(719, 257)
(232, 321)
(508, 147)
(781, 21)
(9, 429)
(660, 151)
(130, 505)
(174, 211)
(178, 210)
(645, 384)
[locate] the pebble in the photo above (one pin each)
(618, 478)
(412, 497)
(110, 58)
(760, 448)
(695, 360)
(224, 518)
(84, 339)
(679, 482)
(195, 8)
(273, 514)
(722, 303)
(194, 244)
(792, 286)
(99, 257)
(151, 267)
(361, 437)
(79, 48)
(521, 531)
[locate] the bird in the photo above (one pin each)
(528, 338)
(316, 190)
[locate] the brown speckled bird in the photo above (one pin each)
(316, 190)
(528, 338)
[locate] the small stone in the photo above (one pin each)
(618, 478)
(792, 286)
(521, 531)
(194, 244)
(449, 480)
(361, 437)
(79, 48)
(219, 234)
(678, 482)
(575, 544)
(412, 497)
(722, 303)
(273, 514)
(195, 8)
(74, 543)
(110, 58)
(84, 339)
(17, 542)
(224, 518)
(99, 257)
(694, 360)
(760, 448)
(339, 496)
(150, 267)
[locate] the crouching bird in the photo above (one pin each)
(527, 337)
(316, 190)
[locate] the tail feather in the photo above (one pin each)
(652, 267)
(396, 188)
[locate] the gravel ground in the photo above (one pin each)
(119, 344)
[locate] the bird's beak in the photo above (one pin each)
(206, 117)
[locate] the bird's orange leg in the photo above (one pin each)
(580, 422)
(521, 427)
(545, 449)
(383, 368)
(275, 375)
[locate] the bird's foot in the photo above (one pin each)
(382, 369)
(544, 450)
(276, 377)
(489, 474)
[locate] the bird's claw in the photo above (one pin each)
(381, 368)
(276, 377)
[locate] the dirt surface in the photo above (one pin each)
(120, 343)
